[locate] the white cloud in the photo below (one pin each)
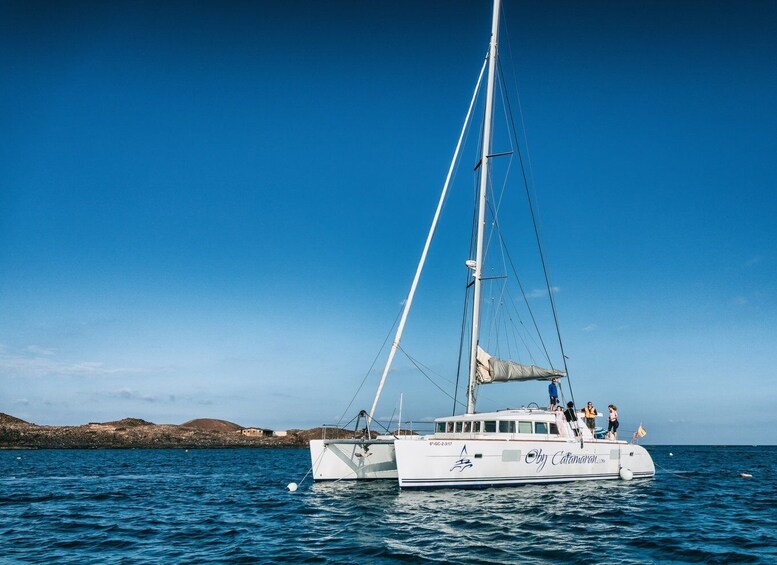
(38, 362)
(37, 350)
(540, 292)
(590, 328)
(129, 394)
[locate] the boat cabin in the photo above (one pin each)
(520, 423)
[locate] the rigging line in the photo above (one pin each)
(528, 179)
(506, 322)
(429, 369)
(339, 425)
(497, 311)
(506, 35)
(391, 419)
(464, 333)
(498, 203)
(419, 366)
(525, 298)
(495, 327)
(494, 312)
(488, 311)
(377, 356)
(504, 289)
(524, 328)
(461, 343)
(539, 249)
(385, 429)
(511, 329)
(427, 244)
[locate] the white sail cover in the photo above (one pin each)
(493, 370)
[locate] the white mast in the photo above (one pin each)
(411, 294)
(484, 170)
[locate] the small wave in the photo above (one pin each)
(232, 508)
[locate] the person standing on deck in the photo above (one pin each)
(571, 417)
(612, 427)
(561, 422)
(590, 417)
(553, 392)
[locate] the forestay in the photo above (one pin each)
(494, 370)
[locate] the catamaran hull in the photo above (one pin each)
(334, 460)
(432, 463)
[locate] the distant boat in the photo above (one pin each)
(503, 448)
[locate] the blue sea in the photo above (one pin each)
(232, 506)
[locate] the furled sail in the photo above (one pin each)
(493, 370)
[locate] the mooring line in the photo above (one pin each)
(671, 472)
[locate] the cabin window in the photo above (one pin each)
(540, 427)
(524, 427)
(467, 427)
(506, 427)
(458, 427)
(449, 427)
(554, 429)
(440, 427)
(476, 426)
(490, 426)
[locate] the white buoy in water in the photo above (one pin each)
(746, 475)
(626, 474)
(292, 487)
(671, 454)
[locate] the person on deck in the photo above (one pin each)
(571, 417)
(590, 417)
(561, 422)
(553, 392)
(612, 427)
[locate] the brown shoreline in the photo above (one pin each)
(132, 433)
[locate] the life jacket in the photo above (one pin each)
(589, 413)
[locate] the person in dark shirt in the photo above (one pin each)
(553, 392)
(571, 417)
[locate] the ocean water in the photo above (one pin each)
(232, 506)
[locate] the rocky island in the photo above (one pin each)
(139, 434)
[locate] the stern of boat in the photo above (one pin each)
(353, 459)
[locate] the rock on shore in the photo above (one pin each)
(136, 433)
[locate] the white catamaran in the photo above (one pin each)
(503, 448)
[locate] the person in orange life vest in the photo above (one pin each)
(590, 416)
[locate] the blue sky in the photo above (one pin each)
(215, 209)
